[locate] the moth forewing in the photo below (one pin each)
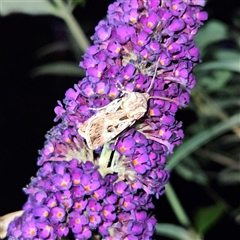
(82, 129)
(113, 106)
(103, 129)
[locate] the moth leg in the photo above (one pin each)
(154, 76)
(168, 99)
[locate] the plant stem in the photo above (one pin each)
(73, 26)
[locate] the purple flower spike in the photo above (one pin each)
(144, 48)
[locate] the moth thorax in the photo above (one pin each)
(146, 95)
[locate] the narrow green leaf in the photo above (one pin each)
(212, 32)
(224, 54)
(51, 48)
(198, 140)
(229, 176)
(219, 77)
(73, 26)
(228, 64)
(225, 103)
(173, 231)
(58, 68)
(74, 3)
(190, 170)
(33, 7)
(176, 205)
(206, 217)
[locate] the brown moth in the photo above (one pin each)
(119, 114)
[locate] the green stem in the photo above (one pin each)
(73, 26)
(104, 159)
(176, 206)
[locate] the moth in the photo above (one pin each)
(115, 117)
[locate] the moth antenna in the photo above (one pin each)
(154, 76)
(167, 99)
(96, 109)
(121, 89)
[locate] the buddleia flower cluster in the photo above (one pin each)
(142, 46)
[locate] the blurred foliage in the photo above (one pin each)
(213, 139)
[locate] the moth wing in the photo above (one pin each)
(82, 128)
(105, 128)
(113, 106)
(137, 113)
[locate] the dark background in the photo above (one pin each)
(26, 110)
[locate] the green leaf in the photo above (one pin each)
(226, 103)
(206, 217)
(212, 32)
(229, 176)
(174, 232)
(74, 28)
(217, 81)
(176, 205)
(33, 7)
(58, 68)
(198, 140)
(51, 48)
(74, 3)
(228, 64)
(225, 54)
(190, 170)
